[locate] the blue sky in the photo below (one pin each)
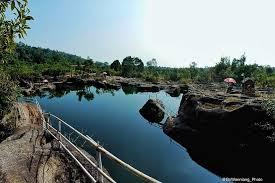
(175, 32)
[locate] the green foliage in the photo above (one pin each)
(152, 63)
(116, 65)
(174, 76)
(193, 70)
(151, 77)
(238, 69)
(271, 81)
(14, 17)
(222, 69)
(139, 66)
(8, 91)
(132, 66)
(30, 62)
(13, 25)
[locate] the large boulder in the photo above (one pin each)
(153, 111)
(231, 136)
(174, 91)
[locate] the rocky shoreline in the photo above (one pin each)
(109, 82)
(27, 154)
(229, 134)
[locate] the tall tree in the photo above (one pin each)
(193, 70)
(116, 65)
(128, 66)
(139, 66)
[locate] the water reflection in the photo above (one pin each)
(101, 91)
(129, 90)
(86, 93)
(112, 118)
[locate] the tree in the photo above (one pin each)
(10, 28)
(221, 69)
(89, 61)
(139, 66)
(128, 66)
(269, 70)
(239, 68)
(193, 70)
(152, 63)
(116, 65)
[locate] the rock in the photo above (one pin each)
(152, 112)
(248, 87)
(28, 155)
(114, 86)
(230, 136)
(174, 91)
(75, 81)
(99, 84)
(184, 88)
(148, 88)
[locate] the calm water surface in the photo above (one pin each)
(113, 118)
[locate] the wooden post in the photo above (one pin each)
(99, 164)
(59, 132)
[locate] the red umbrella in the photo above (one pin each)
(230, 80)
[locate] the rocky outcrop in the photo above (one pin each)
(148, 88)
(108, 82)
(153, 111)
(228, 134)
(27, 154)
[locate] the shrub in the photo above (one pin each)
(8, 92)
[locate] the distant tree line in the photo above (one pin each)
(235, 68)
(30, 62)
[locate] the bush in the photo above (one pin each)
(174, 76)
(8, 92)
(271, 81)
(151, 78)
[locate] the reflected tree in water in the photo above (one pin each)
(58, 93)
(129, 90)
(86, 93)
(102, 91)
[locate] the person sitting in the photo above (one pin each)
(229, 88)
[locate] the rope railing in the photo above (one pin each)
(64, 141)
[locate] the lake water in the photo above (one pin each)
(113, 119)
